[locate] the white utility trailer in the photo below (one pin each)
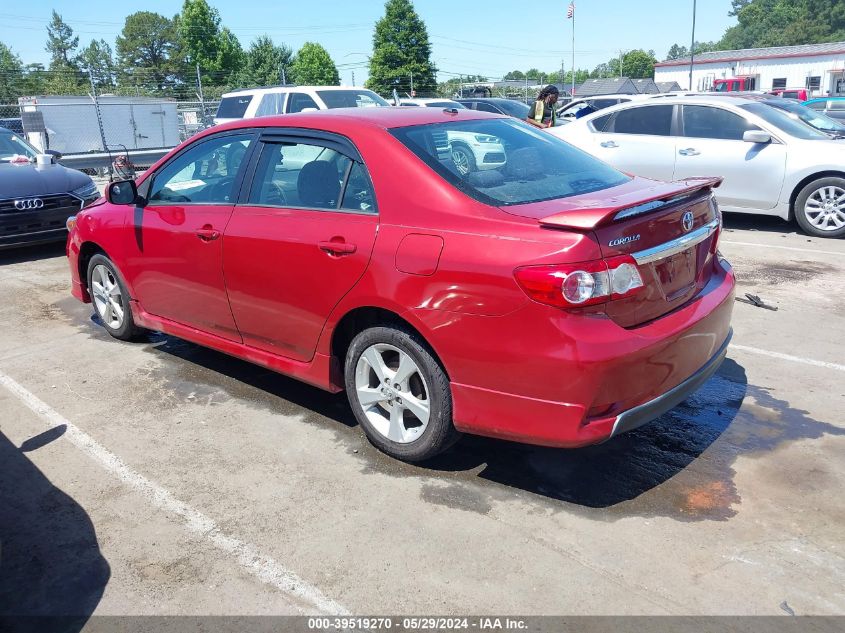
(70, 124)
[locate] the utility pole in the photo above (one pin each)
(353, 78)
(461, 84)
(199, 94)
(573, 50)
(412, 86)
(692, 45)
(282, 74)
(620, 64)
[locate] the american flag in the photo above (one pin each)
(570, 12)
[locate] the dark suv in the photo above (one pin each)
(36, 197)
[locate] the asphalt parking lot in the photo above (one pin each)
(163, 478)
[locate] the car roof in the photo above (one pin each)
(271, 89)
(360, 118)
(423, 101)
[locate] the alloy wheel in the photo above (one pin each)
(825, 208)
(108, 300)
(462, 160)
(392, 392)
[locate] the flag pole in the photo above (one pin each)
(572, 93)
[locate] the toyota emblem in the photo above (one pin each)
(687, 221)
(29, 204)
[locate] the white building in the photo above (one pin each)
(817, 67)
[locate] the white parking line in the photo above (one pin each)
(794, 359)
(785, 248)
(247, 555)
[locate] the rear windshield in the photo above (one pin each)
(233, 107)
(351, 99)
(503, 162)
(513, 108)
(784, 121)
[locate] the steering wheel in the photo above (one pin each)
(220, 191)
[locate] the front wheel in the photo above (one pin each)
(111, 298)
(464, 159)
(820, 207)
(399, 393)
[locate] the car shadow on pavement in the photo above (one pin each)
(32, 253)
(679, 465)
(52, 574)
(760, 223)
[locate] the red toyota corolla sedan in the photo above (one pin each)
(550, 300)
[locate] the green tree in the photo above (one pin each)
(204, 42)
(676, 51)
(147, 50)
(264, 64)
(61, 44)
(314, 66)
(12, 79)
(401, 52)
(763, 23)
(97, 58)
(514, 75)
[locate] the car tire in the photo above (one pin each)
(820, 205)
(392, 379)
(464, 159)
(110, 299)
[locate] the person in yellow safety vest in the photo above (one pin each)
(543, 112)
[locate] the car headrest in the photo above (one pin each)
(318, 184)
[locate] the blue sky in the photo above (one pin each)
(488, 37)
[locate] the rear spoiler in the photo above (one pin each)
(586, 218)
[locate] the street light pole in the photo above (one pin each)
(692, 45)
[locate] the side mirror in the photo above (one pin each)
(56, 154)
(122, 192)
(756, 136)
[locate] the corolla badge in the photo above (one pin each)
(619, 241)
(687, 221)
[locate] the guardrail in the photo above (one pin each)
(95, 160)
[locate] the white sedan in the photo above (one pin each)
(771, 162)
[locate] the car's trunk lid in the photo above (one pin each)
(669, 228)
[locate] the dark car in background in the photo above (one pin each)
(496, 105)
(37, 196)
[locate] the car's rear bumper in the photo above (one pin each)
(567, 382)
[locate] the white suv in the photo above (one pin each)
(470, 152)
(255, 102)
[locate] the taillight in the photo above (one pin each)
(584, 284)
(714, 244)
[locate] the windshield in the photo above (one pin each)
(504, 161)
(817, 120)
(784, 121)
(514, 108)
(351, 99)
(12, 145)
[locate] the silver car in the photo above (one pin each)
(772, 163)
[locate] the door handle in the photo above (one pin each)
(690, 151)
(609, 144)
(337, 248)
(208, 233)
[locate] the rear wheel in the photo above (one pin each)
(820, 207)
(111, 298)
(399, 393)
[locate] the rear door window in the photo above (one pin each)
(486, 107)
(233, 107)
(653, 120)
(715, 123)
(311, 176)
(298, 101)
